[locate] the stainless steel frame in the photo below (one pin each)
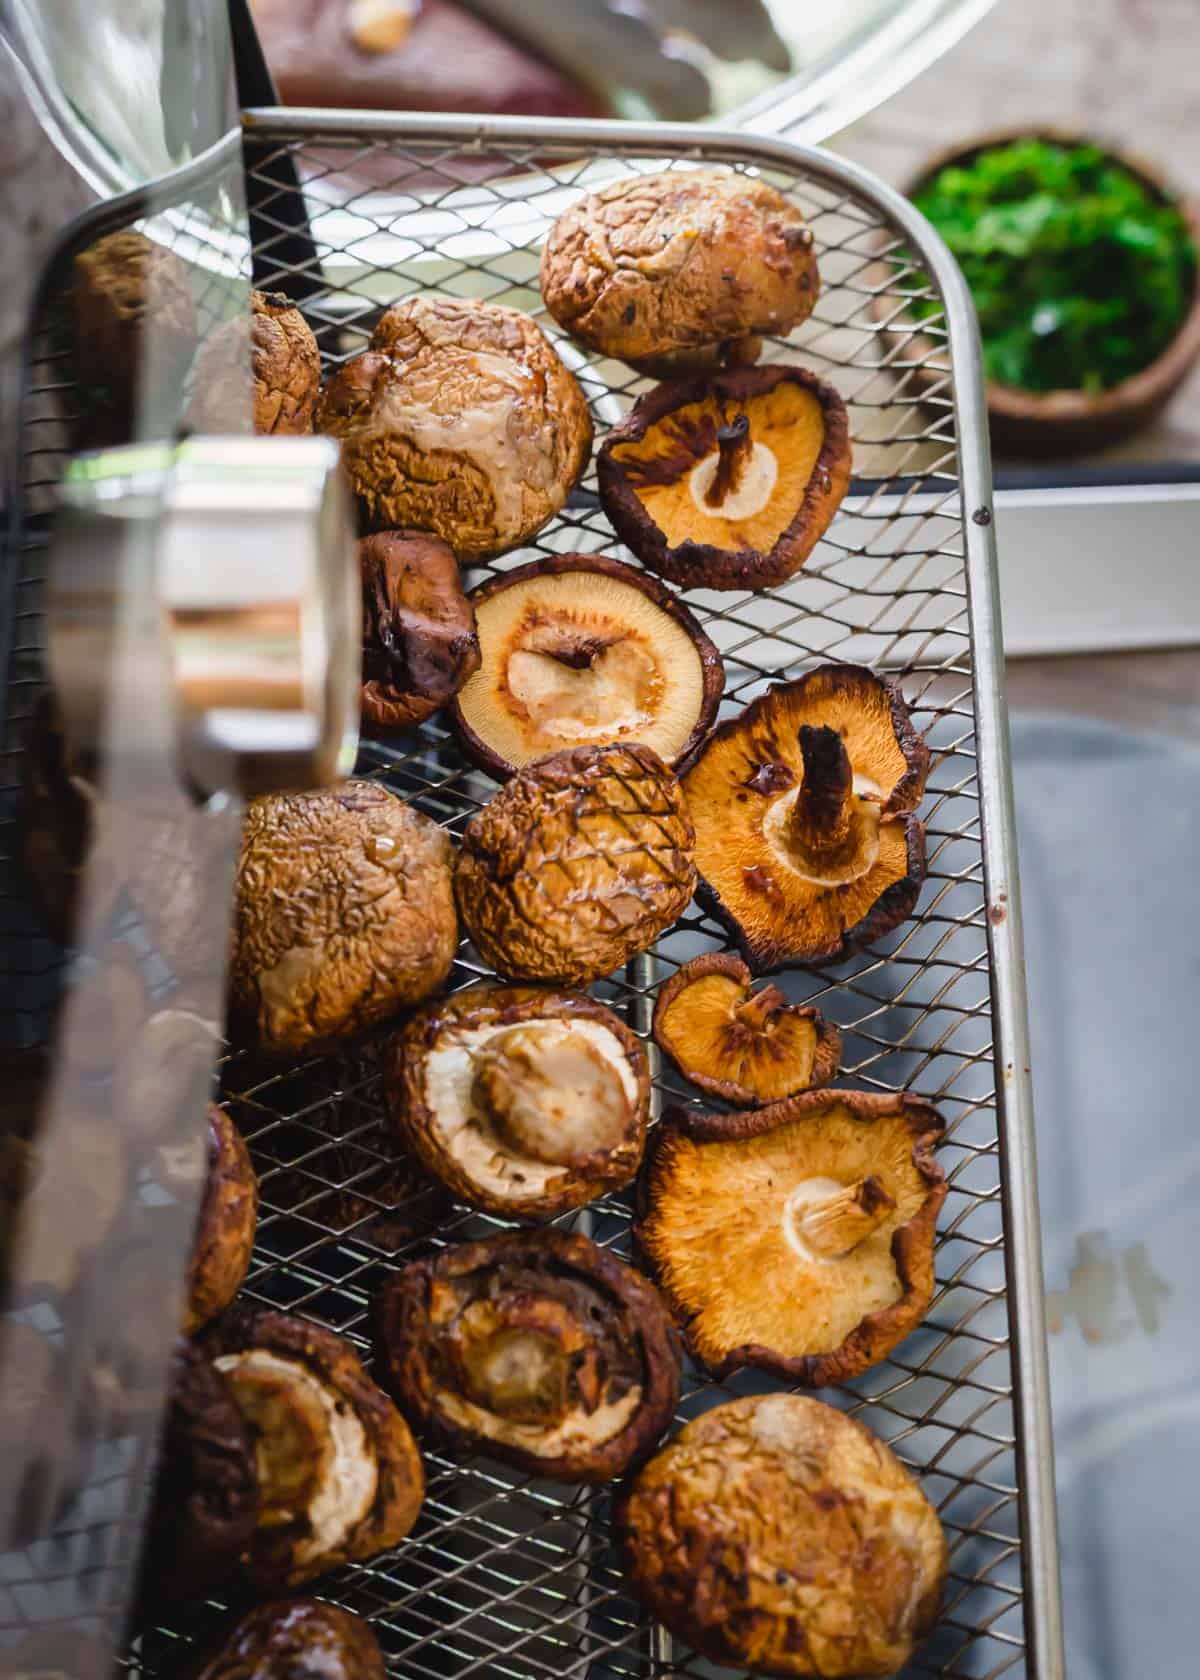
(506, 1576)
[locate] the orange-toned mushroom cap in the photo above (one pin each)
(805, 841)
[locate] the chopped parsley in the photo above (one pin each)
(1080, 273)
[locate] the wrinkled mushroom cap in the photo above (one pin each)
(521, 1101)
(576, 865)
(776, 1534)
(133, 312)
(461, 420)
(340, 1478)
(296, 1639)
(748, 793)
(344, 915)
(419, 640)
(728, 483)
(580, 650)
(264, 371)
(798, 1237)
(679, 270)
(225, 1226)
(538, 1348)
(745, 1046)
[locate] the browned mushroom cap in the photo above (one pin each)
(576, 865)
(537, 1348)
(344, 915)
(778, 1535)
(419, 640)
(521, 1101)
(134, 315)
(804, 841)
(460, 420)
(799, 1237)
(681, 270)
(206, 1500)
(339, 1474)
(728, 483)
(225, 1226)
(296, 1639)
(577, 650)
(265, 370)
(748, 1047)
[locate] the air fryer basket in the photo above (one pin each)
(506, 1575)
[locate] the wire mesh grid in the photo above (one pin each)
(506, 1575)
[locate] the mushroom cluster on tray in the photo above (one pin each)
(793, 1229)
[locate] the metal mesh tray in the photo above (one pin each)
(507, 1576)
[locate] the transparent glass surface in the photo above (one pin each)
(114, 903)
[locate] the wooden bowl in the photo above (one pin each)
(1045, 423)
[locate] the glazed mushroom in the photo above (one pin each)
(225, 1225)
(205, 1504)
(576, 865)
(797, 1238)
(680, 271)
(344, 915)
(579, 650)
(296, 1639)
(135, 321)
(745, 1046)
(460, 420)
(261, 371)
(537, 1348)
(728, 483)
(521, 1101)
(778, 1535)
(339, 1475)
(419, 640)
(805, 839)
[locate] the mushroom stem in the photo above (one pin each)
(758, 1010)
(821, 825)
(736, 448)
(837, 1224)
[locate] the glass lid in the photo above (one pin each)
(129, 91)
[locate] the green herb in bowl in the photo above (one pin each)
(1082, 273)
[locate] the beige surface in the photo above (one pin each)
(1123, 69)
(1157, 692)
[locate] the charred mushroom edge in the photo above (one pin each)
(878, 1330)
(401, 1479)
(554, 565)
(692, 565)
(412, 1382)
(827, 1057)
(226, 1222)
(412, 1120)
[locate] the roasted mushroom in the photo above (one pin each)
(805, 841)
(460, 420)
(579, 650)
(537, 1348)
(205, 1503)
(264, 371)
(797, 1238)
(576, 865)
(339, 1475)
(778, 1535)
(419, 641)
(225, 1225)
(521, 1101)
(135, 321)
(728, 483)
(345, 914)
(747, 1047)
(681, 271)
(296, 1639)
